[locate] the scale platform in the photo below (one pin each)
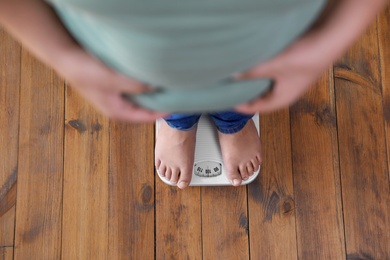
(208, 167)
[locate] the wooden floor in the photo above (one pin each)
(74, 185)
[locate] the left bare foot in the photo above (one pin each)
(241, 153)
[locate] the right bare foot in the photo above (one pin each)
(174, 154)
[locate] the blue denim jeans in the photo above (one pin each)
(227, 122)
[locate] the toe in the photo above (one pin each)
(250, 168)
(185, 178)
(168, 173)
(234, 177)
(157, 163)
(174, 176)
(255, 165)
(259, 158)
(244, 172)
(162, 169)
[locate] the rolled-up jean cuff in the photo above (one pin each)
(182, 128)
(232, 130)
(183, 122)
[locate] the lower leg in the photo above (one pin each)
(175, 148)
(240, 145)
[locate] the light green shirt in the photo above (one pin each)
(187, 49)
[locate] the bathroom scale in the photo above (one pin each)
(208, 169)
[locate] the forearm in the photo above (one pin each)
(36, 25)
(344, 24)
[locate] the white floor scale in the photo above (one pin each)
(208, 167)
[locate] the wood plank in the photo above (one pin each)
(131, 192)
(271, 198)
(6, 253)
(384, 51)
(364, 172)
(225, 223)
(7, 214)
(319, 223)
(39, 205)
(85, 210)
(9, 134)
(178, 222)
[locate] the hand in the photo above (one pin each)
(103, 87)
(293, 71)
(296, 68)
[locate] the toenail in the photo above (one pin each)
(236, 182)
(182, 184)
(245, 178)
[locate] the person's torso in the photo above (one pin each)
(176, 44)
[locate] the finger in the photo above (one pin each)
(140, 115)
(130, 85)
(145, 112)
(262, 70)
(278, 98)
(263, 101)
(258, 106)
(110, 80)
(118, 108)
(112, 105)
(261, 105)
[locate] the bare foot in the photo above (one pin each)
(174, 154)
(241, 153)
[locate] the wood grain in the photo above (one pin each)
(9, 134)
(178, 222)
(384, 55)
(319, 223)
(131, 192)
(225, 223)
(6, 253)
(271, 198)
(7, 213)
(130, 214)
(39, 206)
(85, 210)
(362, 144)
